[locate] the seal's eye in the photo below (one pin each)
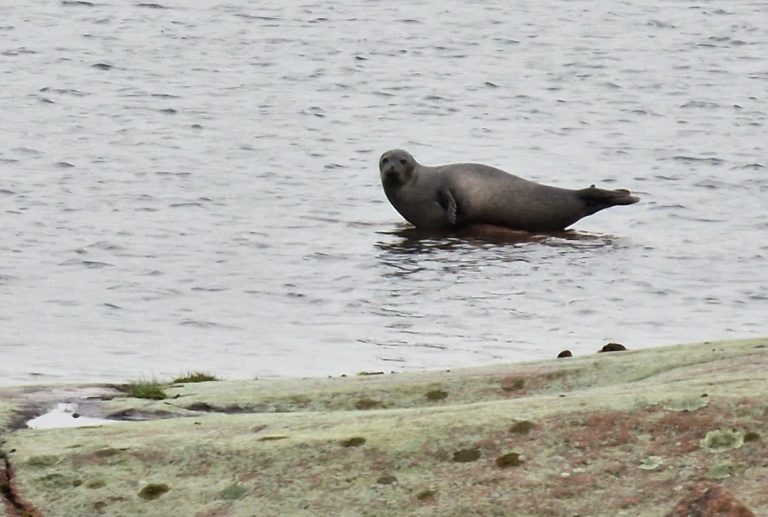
(403, 161)
(384, 161)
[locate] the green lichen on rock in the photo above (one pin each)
(651, 463)
(722, 440)
(43, 460)
(722, 470)
(59, 481)
(232, 492)
(686, 404)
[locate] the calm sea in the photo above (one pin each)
(187, 187)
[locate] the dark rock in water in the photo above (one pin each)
(612, 347)
(564, 353)
(707, 500)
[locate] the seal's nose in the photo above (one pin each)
(390, 173)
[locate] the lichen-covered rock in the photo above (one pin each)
(575, 433)
(722, 440)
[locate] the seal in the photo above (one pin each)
(462, 194)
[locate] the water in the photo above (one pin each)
(197, 188)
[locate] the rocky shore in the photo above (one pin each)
(664, 431)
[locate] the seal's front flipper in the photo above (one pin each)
(448, 203)
(600, 198)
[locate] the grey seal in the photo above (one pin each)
(461, 194)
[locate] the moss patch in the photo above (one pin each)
(368, 404)
(426, 495)
(510, 459)
(44, 460)
(435, 395)
(355, 441)
(232, 492)
(751, 436)
(522, 427)
(466, 455)
(153, 491)
(152, 390)
(195, 377)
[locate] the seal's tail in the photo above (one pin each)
(601, 198)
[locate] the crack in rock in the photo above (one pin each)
(15, 505)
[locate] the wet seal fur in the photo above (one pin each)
(461, 194)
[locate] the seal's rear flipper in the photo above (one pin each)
(598, 198)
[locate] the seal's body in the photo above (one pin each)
(469, 193)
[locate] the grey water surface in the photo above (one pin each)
(194, 185)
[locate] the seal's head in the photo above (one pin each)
(397, 167)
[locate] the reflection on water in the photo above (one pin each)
(483, 235)
(478, 247)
